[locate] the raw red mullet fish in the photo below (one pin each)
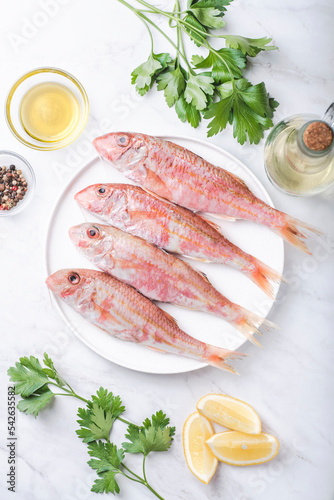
(177, 174)
(171, 227)
(123, 312)
(158, 275)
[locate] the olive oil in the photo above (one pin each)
(49, 112)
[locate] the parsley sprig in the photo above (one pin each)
(220, 92)
(34, 383)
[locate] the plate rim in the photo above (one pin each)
(198, 365)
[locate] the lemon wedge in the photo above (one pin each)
(200, 459)
(239, 448)
(230, 412)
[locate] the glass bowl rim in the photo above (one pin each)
(26, 200)
(15, 86)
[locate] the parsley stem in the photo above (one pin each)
(140, 16)
(131, 472)
(177, 59)
(164, 34)
(126, 421)
(67, 392)
(70, 392)
(79, 397)
(144, 471)
(68, 385)
(73, 394)
(181, 37)
(140, 479)
(153, 491)
(171, 16)
(146, 20)
(131, 478)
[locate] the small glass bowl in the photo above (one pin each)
(8, 158)
(23, 85)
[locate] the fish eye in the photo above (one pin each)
(74, 278)
(123, 140)
(93, 232)
(102, 191)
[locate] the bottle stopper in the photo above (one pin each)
(318, 136)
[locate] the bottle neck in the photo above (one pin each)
(315, 139)
(299, 153)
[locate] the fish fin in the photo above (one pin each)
(216, 356)
(265, 277)
(171, 318)
(140, 214)
(204, 276)
(208, 221)
(217, 216)
(160, 191)
(248, 323)
(195, 258)
(155, 349)
(236, 178)
(292, 231)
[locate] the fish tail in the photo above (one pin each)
(217, 356)
(248, 323)
(266, 278)
(293, 231)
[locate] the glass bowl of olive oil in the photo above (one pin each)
(47, 109)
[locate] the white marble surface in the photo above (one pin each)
(289, 382)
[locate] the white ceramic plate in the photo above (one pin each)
(253, 238)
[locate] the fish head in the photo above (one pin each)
(102, 199)
(94, 198)
(123, 149)
(92, 239)
(72, 285)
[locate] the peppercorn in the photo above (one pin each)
(13, 187)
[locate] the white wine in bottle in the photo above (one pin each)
(299, 154)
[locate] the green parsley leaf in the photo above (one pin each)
(107, 463)
(51, 372)
(217, 4)
(36, 402)
(251, 107)
(154, 435)
(173, 84)
(198, 86)
(187, 112)
(273, 104)
(197, 37)
(97, 419)
(144, 75)
(221, 113)
(159, 419)
(95, 423)
(224, 63)
(196, 59)
(206, 13)
(249, 46)
(109, 402)
(28, 376)
(101, 422)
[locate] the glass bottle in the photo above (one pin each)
(298, 154)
